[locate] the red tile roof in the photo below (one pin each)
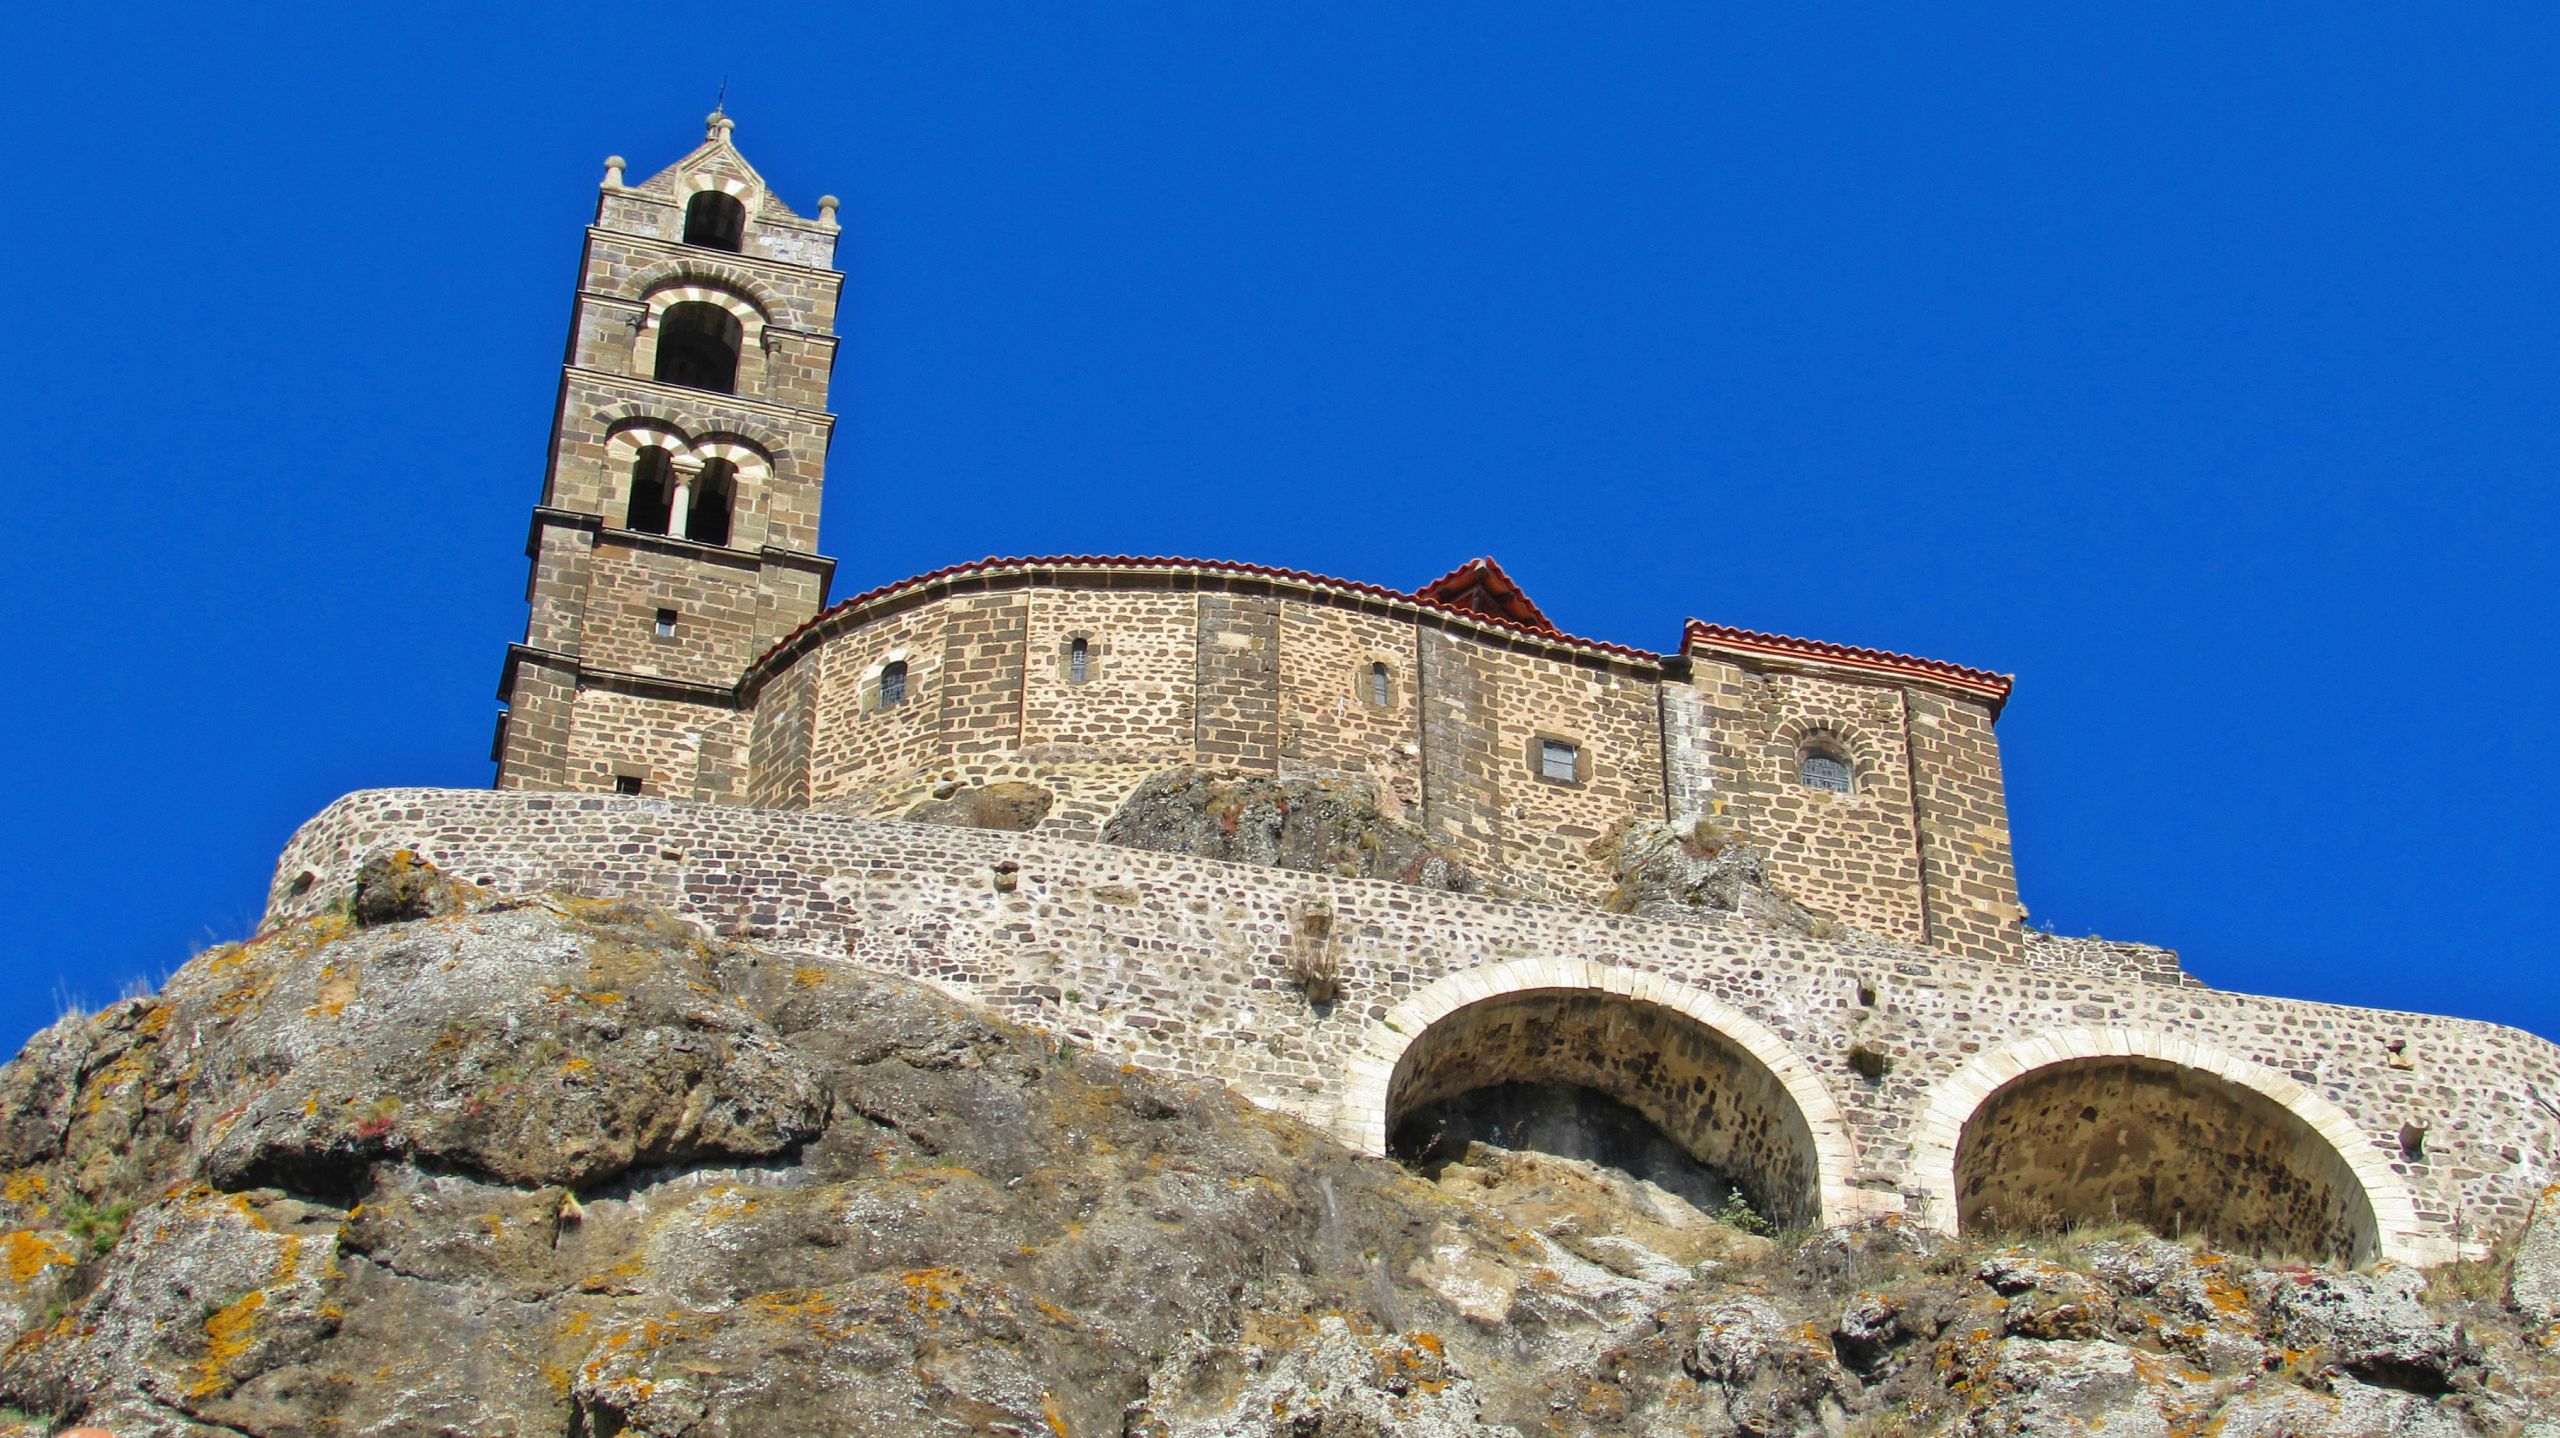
(1477, 591)
(1539, 630)
(1699, 634)
(1480, 586)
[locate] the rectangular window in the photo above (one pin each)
(1558, 760)
(893, 685)
(626, 783)
(666, 624)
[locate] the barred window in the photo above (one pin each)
(1819, 770)
(893, 685)
(1381, 691)
(1558, 760)
(1077, 661)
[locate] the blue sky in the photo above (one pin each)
(2195, 363)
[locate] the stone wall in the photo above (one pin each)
(1185, 669)
(1184, 965)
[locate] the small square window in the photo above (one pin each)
(666, 624)
(626, 783)
(1558, 760)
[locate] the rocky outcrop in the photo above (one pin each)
(2533, 1285)
(1007, 804)
(1677, 871)
(566, 1169)
(1321, 826)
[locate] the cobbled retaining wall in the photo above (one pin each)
(1189, 966)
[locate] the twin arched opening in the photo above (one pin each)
(688, 490)
(2078, 1127)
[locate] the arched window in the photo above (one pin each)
(1079, 660)
(1822, 769)
(1381, 688)
(715, 494)
(650, 475)
(893, 684)
(715, 221)
(698, 346)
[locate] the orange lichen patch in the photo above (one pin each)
(2219, 1290)
(1057, 1420)
(931, 1289)
(1411, 1366)
(619, 1276)
(127, 1069)
(807, 978)
(227, 1335)
(27, 1255)
(792, 1303)
(801, 1308)
(728, 1202)
(34, 1338)
(154, 1020)
(27, 1187)
(337, 987)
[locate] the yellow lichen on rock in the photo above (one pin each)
(27, 1254)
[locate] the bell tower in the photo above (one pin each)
(677, 532)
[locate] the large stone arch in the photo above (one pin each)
(1709, 1075)
(2055, 1124)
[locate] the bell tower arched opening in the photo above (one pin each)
(715, 221)
(699, 346)
(1611, 1078)
(2176, 1149)
(713, 500)
(652, 481)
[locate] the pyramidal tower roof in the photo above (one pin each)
(717, 157)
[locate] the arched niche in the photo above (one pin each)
(1716, 1083)
(715, 220)
(698, 347)
(2095, 1127)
